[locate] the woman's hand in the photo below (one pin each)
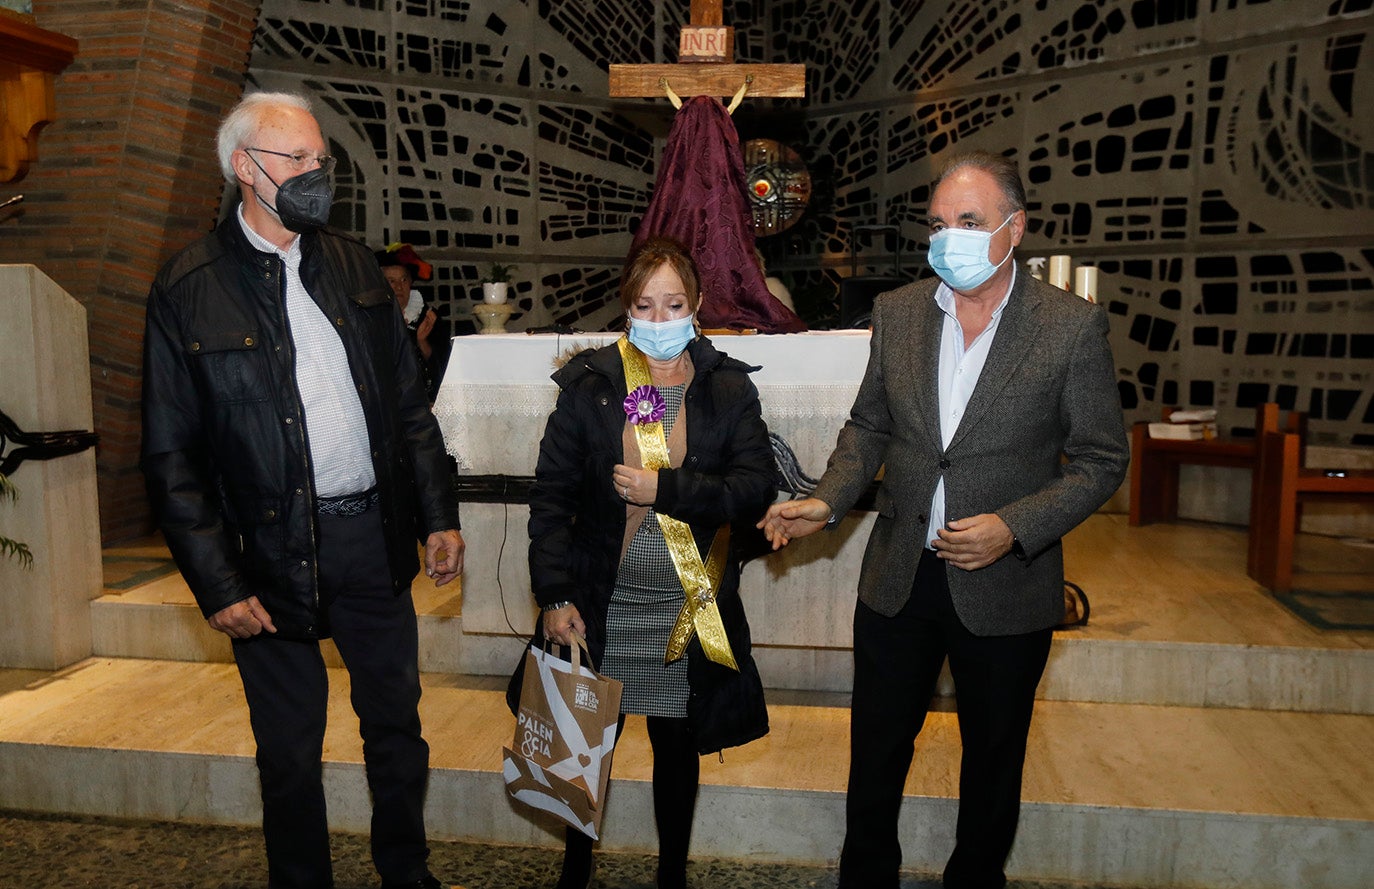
(637, 486)
(560, 624)
(423, 331)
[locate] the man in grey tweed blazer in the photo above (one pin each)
(990, 403)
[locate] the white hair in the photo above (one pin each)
(240, 125)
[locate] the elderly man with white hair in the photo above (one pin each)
(293, 464)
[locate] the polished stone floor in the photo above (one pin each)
(69, 852)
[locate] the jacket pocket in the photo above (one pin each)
(262, 530)
(248, 511)
(228, 364)
(371, 297)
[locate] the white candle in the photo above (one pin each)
(1059, 272)
(1085, 282)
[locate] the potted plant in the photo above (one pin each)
(496, 283)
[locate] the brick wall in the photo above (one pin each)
(126, 176)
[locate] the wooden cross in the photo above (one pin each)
(706, 67)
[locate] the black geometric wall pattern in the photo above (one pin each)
(582, 203)
(1167, 131)
(605, 33)
(1180, 347)
(840, 44)
(853, 143)
(1211, 157)
(934, 45)
(1238, 151)
(915, 138)
(1120, 170)
(459, 151)
(1305, 139)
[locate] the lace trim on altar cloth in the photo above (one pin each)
(537, 400)
(820, 400)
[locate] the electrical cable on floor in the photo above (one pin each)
(501, 551)
(1083, 608)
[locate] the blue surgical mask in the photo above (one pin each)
(960, 256)
(662, 340)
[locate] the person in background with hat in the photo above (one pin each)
(402, 267)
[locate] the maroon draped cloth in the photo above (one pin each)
(699, 199)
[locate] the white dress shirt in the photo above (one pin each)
(959, 371)
(334, 424)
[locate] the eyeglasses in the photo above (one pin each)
(300, 160)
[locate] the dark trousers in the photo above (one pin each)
(897, 662)
(287, 690)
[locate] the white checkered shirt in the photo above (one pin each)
(334, 423)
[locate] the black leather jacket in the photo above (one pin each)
(224, 446)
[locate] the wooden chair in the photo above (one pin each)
(1281, 486)
(1155, 462)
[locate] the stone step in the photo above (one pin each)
(1175, 622)
(1081, 667)
(1133, 795)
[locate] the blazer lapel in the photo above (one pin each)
(1015, 333)
(921, 343)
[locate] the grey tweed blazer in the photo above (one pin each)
(1042, 444)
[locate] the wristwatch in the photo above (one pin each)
(554, 606)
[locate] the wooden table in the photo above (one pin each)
(1155, 463)
(1281, 486)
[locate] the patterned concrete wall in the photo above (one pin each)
(1208, 155)
(481, 131)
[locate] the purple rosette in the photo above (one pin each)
(644, 405)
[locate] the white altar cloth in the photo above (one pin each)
(497, 394)
(492, 407)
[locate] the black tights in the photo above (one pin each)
(677, 768)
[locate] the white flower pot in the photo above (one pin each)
(494, 294)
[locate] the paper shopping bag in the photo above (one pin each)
(565, 728)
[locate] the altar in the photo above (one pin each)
(492, 407)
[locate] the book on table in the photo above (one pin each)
(1204, 415)
(1184, 431)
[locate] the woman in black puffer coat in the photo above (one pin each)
(599, 560)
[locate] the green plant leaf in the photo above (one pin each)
(13, 549)
(498, 273)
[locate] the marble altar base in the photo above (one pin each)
(45, 386)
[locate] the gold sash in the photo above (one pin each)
(700, 615)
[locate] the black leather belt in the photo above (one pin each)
(348, 504)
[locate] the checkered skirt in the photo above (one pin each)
(644, 606)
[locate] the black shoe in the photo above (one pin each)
(426, 882)
(576, 875)
(677, 880)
